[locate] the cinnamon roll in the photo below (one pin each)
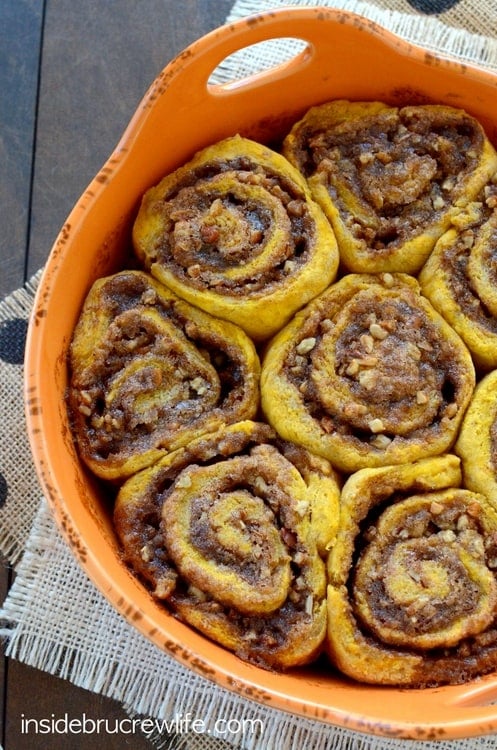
(235, 232)
(413, 590)
(477, 441)
(390, 179)
(149, 372)
(368, 374)
(231, 532)
(460, 276)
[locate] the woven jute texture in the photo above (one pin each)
(55, 620)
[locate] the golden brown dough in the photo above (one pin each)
(477, 441)
(413, 589)
(460, 276)
(243, 529)
(231, 533)
(368, 374)
(149, 373)
(235, 232)
(389, 179)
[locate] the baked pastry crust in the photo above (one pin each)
(477, 440)
(460, 280)
(390, 179)
(413, 590)
(236, 232)
(231, 533)
(241, 528)
(368, 374)
(149, 372)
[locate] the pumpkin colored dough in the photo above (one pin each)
(231, 533)
(297, 433)
(236, 232)
(413, 587)
(390, 179)
(460, 279)
(477, 441)
(149, 373)
(368, 374)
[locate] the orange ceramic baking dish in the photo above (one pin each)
(344, 56)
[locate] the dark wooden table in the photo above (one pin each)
(71, 75)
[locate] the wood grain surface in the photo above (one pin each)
(71, 75)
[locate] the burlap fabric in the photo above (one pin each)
(53, 618)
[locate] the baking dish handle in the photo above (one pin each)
(204, 56)
(289, 87)
(385, 67)
(338, 47)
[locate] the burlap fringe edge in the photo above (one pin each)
(471, 48)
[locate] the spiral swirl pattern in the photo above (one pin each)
(460, 277)
(389, 179)
(149, 372)
(477, 441)
(231, 533)
(357, 516)
(413, 577)
(235, 231)
(368, 374)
